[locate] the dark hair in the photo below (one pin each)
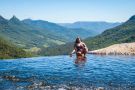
(77, 41)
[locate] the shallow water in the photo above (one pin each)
(64, 72)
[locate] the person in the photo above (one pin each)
(80, 48)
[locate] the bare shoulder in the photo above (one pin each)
(83, 43)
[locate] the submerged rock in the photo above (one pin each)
(11, 78)
(100, 88)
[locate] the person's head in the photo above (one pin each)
(78, 40)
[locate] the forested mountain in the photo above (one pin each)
(46, 38)
(37, 33)
(57, 30)
(121, 34)
(8, 50)
(95, 27)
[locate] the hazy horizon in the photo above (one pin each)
(69, 11)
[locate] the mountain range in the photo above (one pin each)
(123, 33)
(96, 27)
(34, 34)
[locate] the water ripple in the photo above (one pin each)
(63, 72)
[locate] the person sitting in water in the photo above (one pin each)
(80, 48)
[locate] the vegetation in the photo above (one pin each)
(8, 50)
(121, 34)
(37, 33)
(46, 38)
(57, 50)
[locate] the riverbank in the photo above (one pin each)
(117, 49)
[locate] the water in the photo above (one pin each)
(64, 72)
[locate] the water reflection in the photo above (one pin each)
(80, 62)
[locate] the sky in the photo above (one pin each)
(68, 11)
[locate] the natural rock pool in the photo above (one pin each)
(63, 72)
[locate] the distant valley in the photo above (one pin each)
(29, 33)
(32, 35)
(95, 27)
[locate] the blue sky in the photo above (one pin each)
(69, 10)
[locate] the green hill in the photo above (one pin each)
(8, 50)
(31, 34)
(54, 29)
(121, 34)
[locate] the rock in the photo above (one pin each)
(116, 49)
(12, 78)
(100, 88)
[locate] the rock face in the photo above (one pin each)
(117, 49)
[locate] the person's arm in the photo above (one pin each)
(72, 53)
(86, 48)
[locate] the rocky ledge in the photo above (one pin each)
(117, 49)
